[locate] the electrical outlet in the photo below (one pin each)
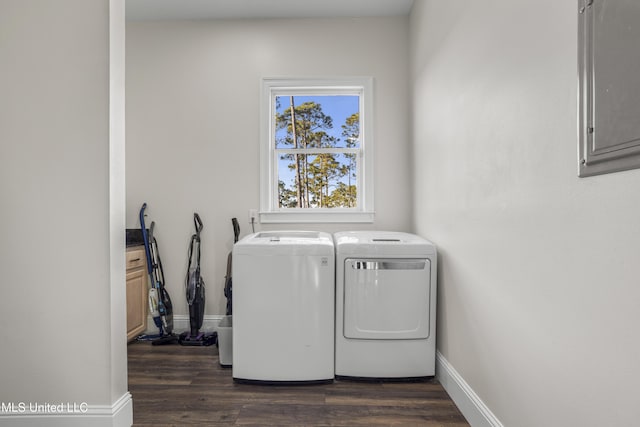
(253, 216)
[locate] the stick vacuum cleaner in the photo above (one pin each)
(160, 306)
(195, 294)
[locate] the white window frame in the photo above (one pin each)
(270, 212)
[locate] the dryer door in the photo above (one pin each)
(387, 298)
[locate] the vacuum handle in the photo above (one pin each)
(198, 223)
(236, 229)
(145, 237)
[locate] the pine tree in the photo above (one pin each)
(322, 180)
(308, 132)
(351, 132)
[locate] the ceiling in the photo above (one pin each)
(240, 9)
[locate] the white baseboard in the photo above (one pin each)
(209, 323)
(68, 414)
(181, 324)
(469, 403)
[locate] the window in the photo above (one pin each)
(316, 150)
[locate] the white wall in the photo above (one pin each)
(61, 247)
(538, 287)
(193, 91)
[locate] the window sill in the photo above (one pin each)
(282, 217)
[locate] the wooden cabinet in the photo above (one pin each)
(137, 284)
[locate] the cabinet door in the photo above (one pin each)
(136, 303)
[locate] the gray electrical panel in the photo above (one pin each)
(609, 95)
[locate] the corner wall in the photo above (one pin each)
(538, 275)
(193, 91)
(63, 335)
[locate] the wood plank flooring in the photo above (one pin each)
(174, 386)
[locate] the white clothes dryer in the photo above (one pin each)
(385, 305)
(283, 307)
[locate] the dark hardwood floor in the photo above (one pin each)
(175, 385)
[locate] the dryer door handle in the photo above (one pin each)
(389, 265)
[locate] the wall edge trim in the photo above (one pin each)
(119, 414)
(472, 407)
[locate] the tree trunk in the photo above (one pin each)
(297, 158)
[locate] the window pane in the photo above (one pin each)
(317, 181)
(287, 189)
(322, 121)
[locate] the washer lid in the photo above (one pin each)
(286, 242)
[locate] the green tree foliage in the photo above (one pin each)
(287, 197)
(321, 180)
(351, 132)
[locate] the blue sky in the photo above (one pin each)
(339, 107)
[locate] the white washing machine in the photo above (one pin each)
(283, 307)
(385, 305)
